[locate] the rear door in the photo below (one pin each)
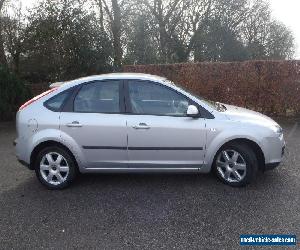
(96, 124)
(159, 132)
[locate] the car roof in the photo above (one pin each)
(139, 76)
(56, 84)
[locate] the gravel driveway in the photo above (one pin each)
(139, 211)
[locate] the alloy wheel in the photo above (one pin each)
(231, 166)
(54, 168)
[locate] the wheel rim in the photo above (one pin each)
(54, 168)
(231, 166)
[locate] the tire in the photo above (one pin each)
(55, 167)
(239, 168)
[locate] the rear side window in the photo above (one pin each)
(56, 102)
(98, 97)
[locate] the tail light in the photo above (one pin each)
(36, 98)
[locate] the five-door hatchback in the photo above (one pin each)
(129, 122)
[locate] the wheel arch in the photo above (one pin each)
(45, 144)
(251, 143)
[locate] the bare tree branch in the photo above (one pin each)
(3, 59)
(1, 4)
(107, 10)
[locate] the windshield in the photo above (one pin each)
(215, 105)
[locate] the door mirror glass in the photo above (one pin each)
(192, 111)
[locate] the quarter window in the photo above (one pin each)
(98, 97)
(155, 99)
(55, 103)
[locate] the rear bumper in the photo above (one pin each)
(24, 164)
(19, 155)
(270, 166)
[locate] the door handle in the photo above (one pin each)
(74, 124)
(142, 126)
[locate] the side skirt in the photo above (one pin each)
(141, 170)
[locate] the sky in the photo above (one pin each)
(286, 11)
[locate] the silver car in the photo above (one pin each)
(129, 122)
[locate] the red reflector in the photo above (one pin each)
(36, 98)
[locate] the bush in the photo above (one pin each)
(13, 93)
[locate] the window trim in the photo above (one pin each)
(124, 99)
(121, 97)
(203, 113)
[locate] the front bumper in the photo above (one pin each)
(273, 165)
(273, 149)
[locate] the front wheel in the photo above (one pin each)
(236, 164)
(55, 168)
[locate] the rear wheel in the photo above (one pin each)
(55, 167)
(236, 164)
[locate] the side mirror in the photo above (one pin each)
(192, 111)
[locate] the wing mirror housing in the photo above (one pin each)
(192, 111)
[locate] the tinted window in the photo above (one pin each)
(156, 99)
(98, 97)
(56, 102)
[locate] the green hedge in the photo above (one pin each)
(13, 93)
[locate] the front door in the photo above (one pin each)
(97, 126)
(159, 132)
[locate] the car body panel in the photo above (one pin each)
(168, 142)
(102, 137)
(35, 124)
(124, 144)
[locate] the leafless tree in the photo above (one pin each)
(255, 29)
(139, 31)
(13, 32)
(167, 15)
(194, 21)
(3, 59)
(113, 11)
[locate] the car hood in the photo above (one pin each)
(245, 115)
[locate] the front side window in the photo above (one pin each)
(215, 105)
(98, 97)
(155, 99)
